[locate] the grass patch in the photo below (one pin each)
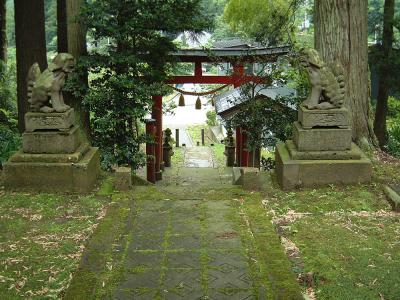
(42, 237)
(346, 239)
(178, 159)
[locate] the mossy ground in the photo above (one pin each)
(195, 235)
(42, 237)
(343, 241)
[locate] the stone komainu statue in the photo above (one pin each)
(45, 89)
(327, 82)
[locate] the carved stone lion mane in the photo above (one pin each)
(45, 89)
(327, 81)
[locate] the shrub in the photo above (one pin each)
(10, 141)
(212, 118)
(393, 107)
(393, 146)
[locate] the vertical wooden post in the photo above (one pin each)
(203, 142)
(157, 116)
(150, 150)
(198, 72)
(238, 146)
(238, 75)
(177, 137)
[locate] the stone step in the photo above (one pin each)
(75, 157)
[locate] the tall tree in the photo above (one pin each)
(380, 127)
(72, 39)
(341, 35)
(266, 21)
(132, 68)
(3, 30)
(31, 47)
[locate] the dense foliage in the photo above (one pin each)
(131, 67)
(393, 146)
(269, 22)
(9, 136)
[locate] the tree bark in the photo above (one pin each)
(31, 47)
(62, 31)
(341, 34)
(384, 74)
(72, 39)
(3, 31)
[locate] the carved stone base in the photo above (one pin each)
(54, 177)
(51, 142)
(293, 174)
(354, 153)
(321, 139)
(310, 118)
(75, 157)
(49, 121)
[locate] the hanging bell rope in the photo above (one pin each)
(200, 93)
(198, 103)
(181, 100)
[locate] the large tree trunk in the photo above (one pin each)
(3, 31)
(31, 47)
(341, 35)
(62, 30)
(72, 39)
(384, 75)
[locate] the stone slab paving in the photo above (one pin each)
(188, 238)
(189, 249)
(199, 157)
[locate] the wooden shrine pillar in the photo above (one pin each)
(150, 150)
(157, 116)
(198, 71)
(238, 75)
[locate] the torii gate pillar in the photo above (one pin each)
(241, 134)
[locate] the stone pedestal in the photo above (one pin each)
(52, 121)
(321, 152)
(53, 159)
(310, 118)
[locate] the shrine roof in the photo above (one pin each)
(226, 104)
(230, 54)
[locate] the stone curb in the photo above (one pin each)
(392, 197)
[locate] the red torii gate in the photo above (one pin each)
(238, 57)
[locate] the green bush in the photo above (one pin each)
(8, 86)
(393, 146)
(393, 107)
(10, 141)
(212, 118)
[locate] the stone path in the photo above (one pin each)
(192, 236)
(199, 157)
(184, 247)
